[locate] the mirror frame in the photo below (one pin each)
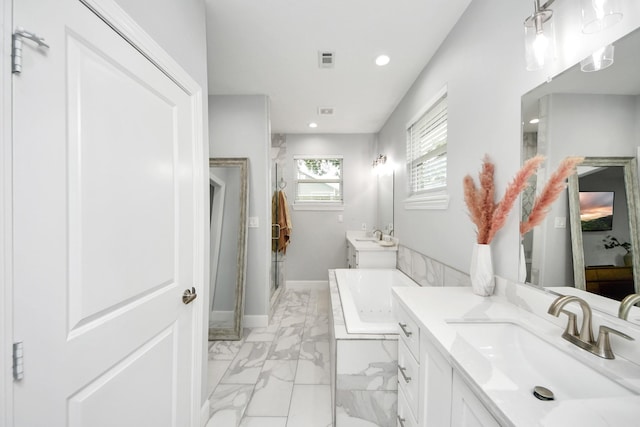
(630, 167)
(235, 333)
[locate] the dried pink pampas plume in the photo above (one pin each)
(550, 192)
(488, 216)
(519, 183)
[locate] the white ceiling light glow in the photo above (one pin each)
(313, 125)
(382, 60)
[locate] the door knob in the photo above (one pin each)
(189, 295)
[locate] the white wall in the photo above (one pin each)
(239, 127)
(318, 238)
(482, 64)
(179, 27)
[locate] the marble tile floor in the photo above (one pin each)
(276, 376)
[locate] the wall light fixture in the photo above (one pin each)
(539, 36)
(381, 166)
(598, 60)
(599, 14)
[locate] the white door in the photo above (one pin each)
(104, 207)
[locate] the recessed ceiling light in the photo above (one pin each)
(534, 121)
(382, 60)
(313, 125)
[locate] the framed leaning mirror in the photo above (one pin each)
(603, 204)
(228, 203)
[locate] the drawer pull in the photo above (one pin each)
(401, 421)
(403, 326)
(406, 378)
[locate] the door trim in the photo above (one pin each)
(114, 16)
(6, 225)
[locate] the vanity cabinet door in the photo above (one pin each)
(408, 377)
(351, 256)
(405, 415)
(436, 376)
(408, 330)
(466, 408)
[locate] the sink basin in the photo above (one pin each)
(504, 357)
(368, 239)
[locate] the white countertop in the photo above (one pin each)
(363, 242)
(432, 306)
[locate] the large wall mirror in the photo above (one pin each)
(228, 200)
(595, 115)
(385, 201)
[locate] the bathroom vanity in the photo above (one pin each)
(466, 360)
(365, 251)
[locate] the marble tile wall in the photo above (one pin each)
(366, 382)
(363, 372)
(429, 272)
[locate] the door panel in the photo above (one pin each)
(122, 201)
(119, 398)
(104, 206)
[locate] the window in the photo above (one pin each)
(318, 180)
(427, 149)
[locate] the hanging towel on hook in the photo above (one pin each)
(280, 213)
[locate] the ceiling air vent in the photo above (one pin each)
(325, 111)
(326, 59)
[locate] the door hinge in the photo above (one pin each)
(16, 50)
(18, 366)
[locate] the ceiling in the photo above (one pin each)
(270, 47)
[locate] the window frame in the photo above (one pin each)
(318, 204)
(430, 198)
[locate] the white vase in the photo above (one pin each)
(522, 272)
(481, 272)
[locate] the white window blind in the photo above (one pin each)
(427, 149)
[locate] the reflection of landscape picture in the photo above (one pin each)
(596, 210)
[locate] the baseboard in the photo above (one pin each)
(204, 413)
(255, 321)
(307, 284)
(221, 316)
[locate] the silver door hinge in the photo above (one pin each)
(16, 50)
(18, 366)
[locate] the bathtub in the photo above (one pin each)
(363, 346)
(365, 295)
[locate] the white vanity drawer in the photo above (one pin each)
(408, 377)
(409, 331)
(405, 416)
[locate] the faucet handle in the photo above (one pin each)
(604, 344)
(572, 325)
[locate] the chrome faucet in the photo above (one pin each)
(373, 233)
(584, 338)
(626, 304)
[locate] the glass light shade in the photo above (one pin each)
(598, 60)
(599, 14)
(539, 45)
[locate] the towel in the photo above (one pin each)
(280, 215)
